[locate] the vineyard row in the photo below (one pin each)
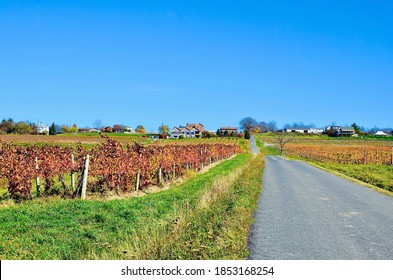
(343, 154)
(111, 166)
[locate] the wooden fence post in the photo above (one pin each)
(391, 156)
(37, 179)
(138, 178)
(85, 175)
(201, 166)
(160, 176)
(365, 157)
(72, 173)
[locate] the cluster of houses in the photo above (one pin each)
(190, 130)
(331, 130)
(42, 128)
(337, 131)
(196, 130)
(115, 129)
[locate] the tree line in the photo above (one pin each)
(9, 126)
(253, 126)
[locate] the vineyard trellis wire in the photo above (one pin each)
(113, 167)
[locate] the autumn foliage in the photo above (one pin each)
(112, 165)
(351, 154)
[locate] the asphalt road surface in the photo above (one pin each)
(253, 145)
(308, 214)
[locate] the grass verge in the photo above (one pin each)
(197, 219)
(267, 150)
(376, 177)
(216, 227)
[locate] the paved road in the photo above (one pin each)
(253, 145)
(306, 213)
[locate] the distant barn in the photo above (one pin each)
(228, 130)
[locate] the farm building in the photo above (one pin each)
(42, 128)
(304, 130)
(128, 129)
(340, 131)
(87, 130)
(228, 130)
(380, 133)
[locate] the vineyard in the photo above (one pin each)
(110, 165)
(348, 154)
(92, 139)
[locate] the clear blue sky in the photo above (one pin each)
(214, 62)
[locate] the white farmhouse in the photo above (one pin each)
(42, 128)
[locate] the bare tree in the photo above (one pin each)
(98, 124)
(283, 138)
(248, 124)
(272, 126)
(263, 126)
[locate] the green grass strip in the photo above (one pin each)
(76, 229)
(380, 176)
(215, 228)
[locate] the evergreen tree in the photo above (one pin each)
(52, 129)
(218, 132)
(356, 128)
(247, 135)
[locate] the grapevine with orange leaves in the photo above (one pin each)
(113, 167)
(359, 154)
